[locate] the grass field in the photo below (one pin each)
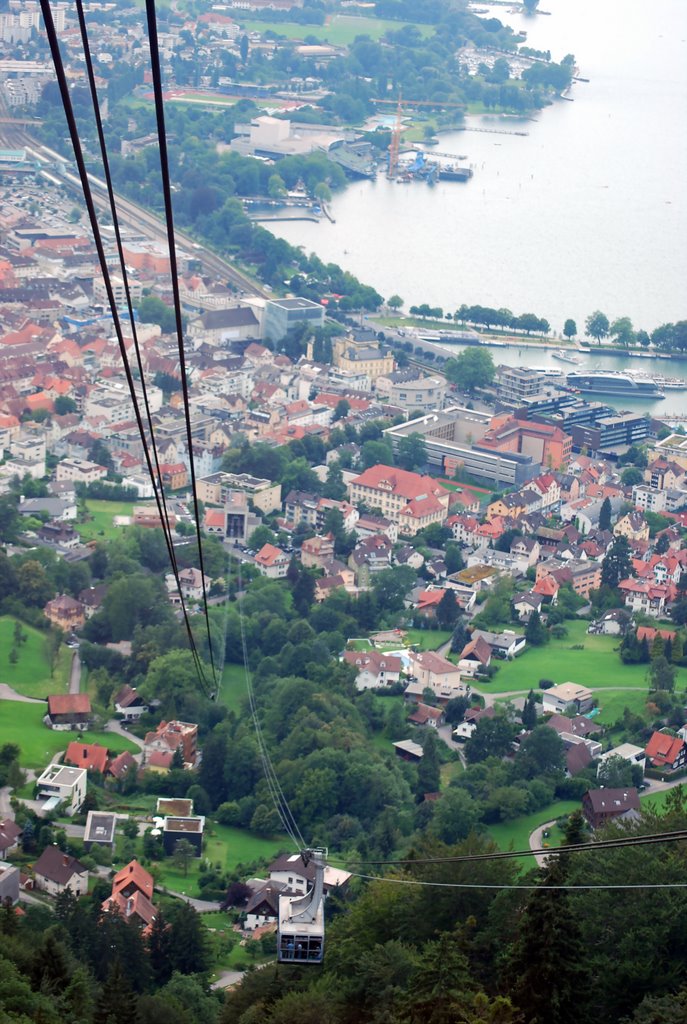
(515, 834)
(31, 673)
(101, 525)
(341, 29)
(226, 847)
(597, 665)
(428, 639)
(23, 724)
(232, 692)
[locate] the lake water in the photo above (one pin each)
(589, 211)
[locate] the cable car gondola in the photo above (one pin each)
(300, 938)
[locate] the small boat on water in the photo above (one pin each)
(452, 172)
(565, 357)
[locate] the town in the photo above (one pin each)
(299, 583)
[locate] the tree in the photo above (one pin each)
(631, 476)
(529, 712)
(615, 772)
(597, 325)
(569, 328)
(448, 609)
(244, 44)
(395, 302)
(605, 514)
(33, 584)
(428, 769)
(184, 852)
(547, 961)
(455, 816)
(493, 737)
(276, 187)
(617, 563)
(662, 674)
(374, 453)
(536, 633)
(412, 452)
(541, 753)
(455, 710)
(323, 192)
(530, 5)
(459, 638)
(343, 407)
(623, 331)
(64, 405)
(474, 368)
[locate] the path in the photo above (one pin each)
(116, 726)
(7, 693)
(75, 674)
(5, 805)
(202, 906)
(227, 979)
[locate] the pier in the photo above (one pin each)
(489, 131)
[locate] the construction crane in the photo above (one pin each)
(395, 142)
(396, 132)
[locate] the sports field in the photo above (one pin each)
(339, 30)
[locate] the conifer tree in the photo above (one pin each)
(529, 712)
(546, 964)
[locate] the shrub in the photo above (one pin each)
(546, 684)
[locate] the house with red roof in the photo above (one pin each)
(648, 598)
(374, 668)
(425, 714)
(69, 711)
(669, 753)
(91, 756)
(272, 562)
(131, 897)
(409, 499)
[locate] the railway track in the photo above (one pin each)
(129, 213)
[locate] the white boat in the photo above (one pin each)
(565, 357)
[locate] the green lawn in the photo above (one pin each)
(427, 639)
(225, 846)
(341, 29)
(597, 665)
(23, 724)
(233, 689)
(101, 525)
(515, 834)
(31, 673)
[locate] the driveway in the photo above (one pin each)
(5, 806)
(114, 725)
(7, 693)
(202, 906)
(75, 675)
(228, 979)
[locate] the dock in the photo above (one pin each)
(490, 131)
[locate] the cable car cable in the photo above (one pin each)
(169, 220)
(156, 477)
(604, 844)
(527, 885)
(90, 206)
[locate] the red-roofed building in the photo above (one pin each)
(90, 756)
(648, 598)
(132, 892)
(428, 601)
(668, 753)
(69, 711)
(374, 668)
(272, 562)
(425, 714)
(160, 745)
(409, 499)
(649, 634)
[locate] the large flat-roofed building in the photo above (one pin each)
(217, 489)
(516, 383)
(60, 783)
(611, 432)
(423, 395)
(545, 442)
(452, 441)
(281, 315)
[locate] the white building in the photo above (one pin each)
(61, 784)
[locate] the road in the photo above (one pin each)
(7, 693)
(116, 726)
(75, 674)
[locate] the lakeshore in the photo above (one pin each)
(543, 224)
